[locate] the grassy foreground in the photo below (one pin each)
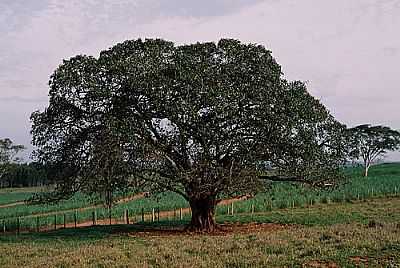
(360, 234)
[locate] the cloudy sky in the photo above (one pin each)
(347, 50)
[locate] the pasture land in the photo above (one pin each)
(359, 234)
(384, 181)
(13, 195)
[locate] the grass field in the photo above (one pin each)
(360, 234)
(384, 181)
(12, 195)
(354, 225)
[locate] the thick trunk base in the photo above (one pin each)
(203, 215)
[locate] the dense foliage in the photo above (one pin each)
(205, 120)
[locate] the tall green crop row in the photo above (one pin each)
(384, 181)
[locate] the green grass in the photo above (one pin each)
(362, 234)
(384, 209)
(24, 190)
(10, 198)
(356, 224)
(13, 195)
(384, 181)
(9, 216)
(78, 201)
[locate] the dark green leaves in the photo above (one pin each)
(196, 119)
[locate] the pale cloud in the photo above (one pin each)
(348, 51)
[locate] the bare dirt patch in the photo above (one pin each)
(358, 260)
(222, 230)
(320, 264)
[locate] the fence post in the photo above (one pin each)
(174, 213)
(180, 214)
(252, 208)
(232, 208)
(109, 215)
(37, 224)
(65, 221)
(18, 225)
(4, 226)
(55, 221)
(153, 215)
(127, 216)
(142, 214)
(75, 218)
(94, 217)
(158, 214)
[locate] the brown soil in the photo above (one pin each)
(12, 204)
(222, 230)
(320, 264)
(359, 260)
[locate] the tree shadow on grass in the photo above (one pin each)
(91, 233)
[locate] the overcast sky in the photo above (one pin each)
(347, 50)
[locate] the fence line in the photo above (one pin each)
(41, 223)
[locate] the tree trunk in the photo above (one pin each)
(367, 165)
(203, 214)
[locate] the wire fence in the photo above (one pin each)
(77, 218)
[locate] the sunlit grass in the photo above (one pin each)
(362, 234)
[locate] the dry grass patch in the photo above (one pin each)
(241, 246)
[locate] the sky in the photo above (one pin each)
(348, 51)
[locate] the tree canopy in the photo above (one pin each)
(368, 143)
(206, 120)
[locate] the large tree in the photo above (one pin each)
(8, 154)
(207, 120)
(368, 143)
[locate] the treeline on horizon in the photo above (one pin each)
(35, 174)
(26, 175)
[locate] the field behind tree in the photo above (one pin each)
(384, 181)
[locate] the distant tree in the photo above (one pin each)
(201, 120)
(368, 143)
(8, 154)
